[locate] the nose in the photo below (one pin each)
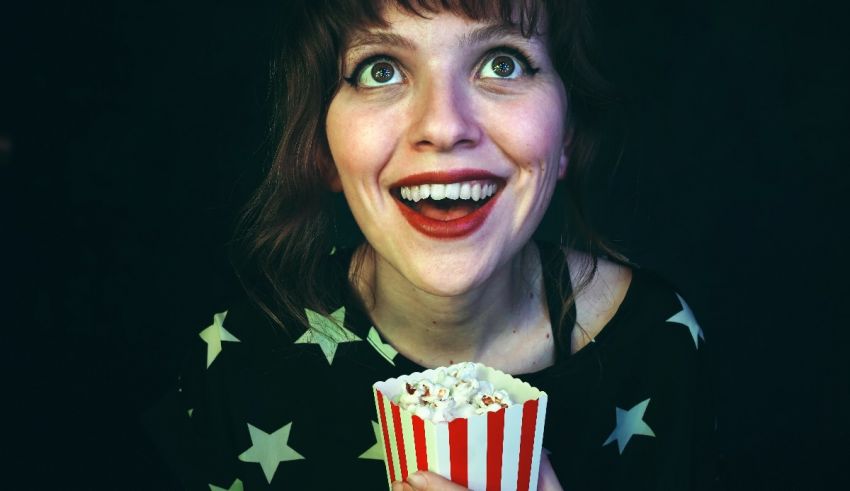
(443, 117)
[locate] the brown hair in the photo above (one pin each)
(287, 229)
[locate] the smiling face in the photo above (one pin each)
(448, 137)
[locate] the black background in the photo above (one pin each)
(134, 131)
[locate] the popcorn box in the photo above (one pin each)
(497, 450)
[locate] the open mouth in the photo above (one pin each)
(446, 202)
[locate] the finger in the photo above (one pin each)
(428, 481)
(401, 486)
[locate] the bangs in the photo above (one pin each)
(316, 33)
(353, 15)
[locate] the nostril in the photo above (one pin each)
(444, 127)
(444, 145)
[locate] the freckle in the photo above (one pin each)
(451, 362)
(514, 331)
(547, 335)
(434, 322)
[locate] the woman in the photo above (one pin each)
(446, 126)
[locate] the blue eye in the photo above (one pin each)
(376, 72)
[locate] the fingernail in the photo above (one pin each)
(417, 480)
(397, 486)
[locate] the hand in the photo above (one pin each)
(547, 481)
(428, 481)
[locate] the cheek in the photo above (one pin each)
(358, 142)
(533, 136)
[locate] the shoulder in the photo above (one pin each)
(604, 289)
(656, 320)
(231, 339)
(642, 299)
(599, 294)
(247, 320)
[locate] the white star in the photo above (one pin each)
(686, 317)
(327, 332)
(269, 449)
(236, 486)
(376, 451)
(387, 351)
(629, 423)
(214, 335)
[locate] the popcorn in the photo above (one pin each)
(467, 422)
(452, 392)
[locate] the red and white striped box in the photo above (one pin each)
(497, 450)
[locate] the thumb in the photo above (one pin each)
(428, 481)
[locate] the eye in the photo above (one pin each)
(502, 66)
(506, 63)
(376, 72)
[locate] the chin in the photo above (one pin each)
(443, 281)
(444, 290)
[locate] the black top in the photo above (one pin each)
(258, 408)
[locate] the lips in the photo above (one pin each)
(447, 204)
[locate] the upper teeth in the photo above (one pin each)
(458, 190)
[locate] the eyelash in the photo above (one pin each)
(358, 69)
(524, 59)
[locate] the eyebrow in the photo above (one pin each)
(493, 31)
(361, 39)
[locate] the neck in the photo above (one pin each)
(487, 323)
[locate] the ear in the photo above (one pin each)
(562, 164)
(565, 153)
(334, 183)
(332, 178)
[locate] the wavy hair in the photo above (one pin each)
(287, 228)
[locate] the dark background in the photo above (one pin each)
(131, 132)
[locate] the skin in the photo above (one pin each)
(479, 297)
(428, 481)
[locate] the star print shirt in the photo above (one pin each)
(258, 409)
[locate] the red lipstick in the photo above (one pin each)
(448, 229)
(447, 177)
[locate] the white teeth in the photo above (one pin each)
(473, 190)
(453, 190)
(438, 191)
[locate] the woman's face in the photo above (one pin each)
(469, 114)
